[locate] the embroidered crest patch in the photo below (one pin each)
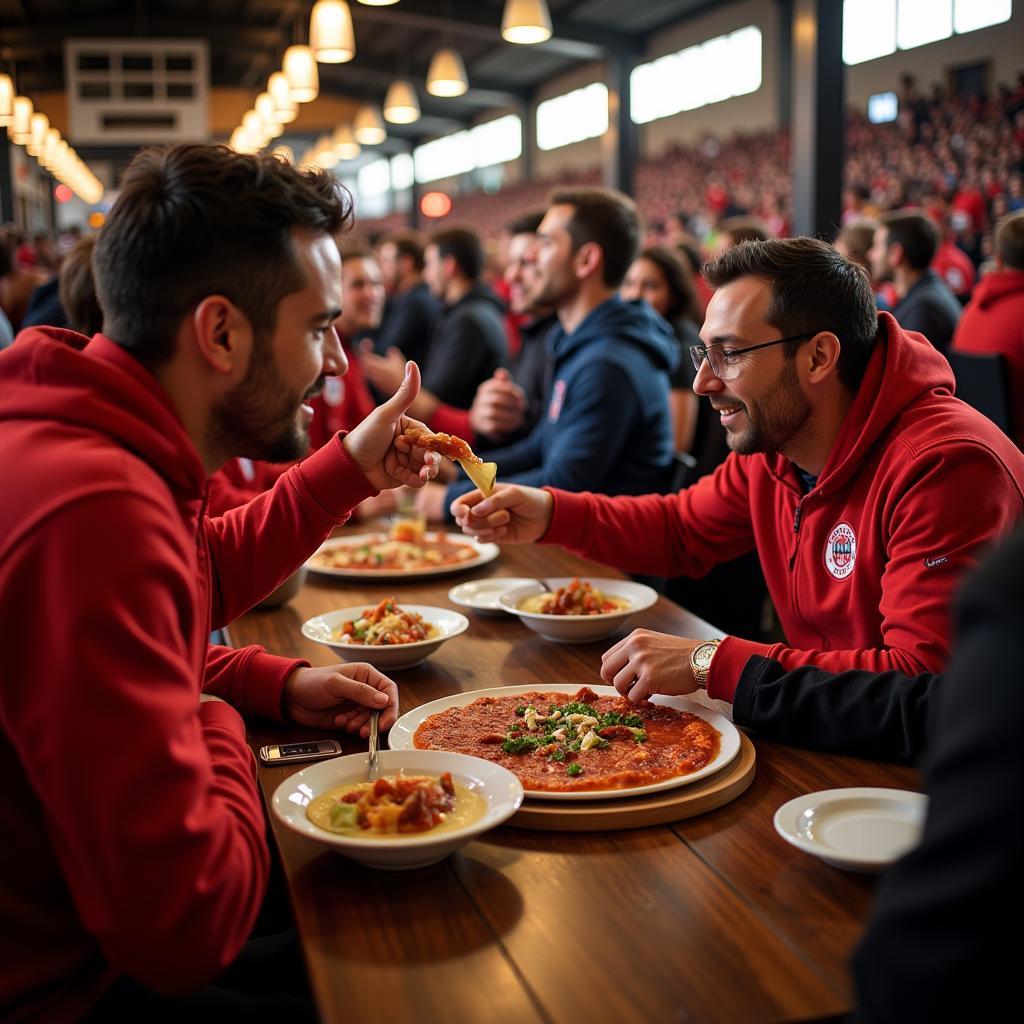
(841, 551)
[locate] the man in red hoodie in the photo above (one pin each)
(134, 858)
(851, 470)
(993, 321)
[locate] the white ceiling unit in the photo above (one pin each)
(134, 91)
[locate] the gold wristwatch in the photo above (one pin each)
(700, 661)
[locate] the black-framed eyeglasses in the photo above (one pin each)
(726, 362)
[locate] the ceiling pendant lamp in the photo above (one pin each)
(526, 21)
(38, 127)
(252, 125)
(368, 128)
(323, 155)
(331, 37)
(401, 105)
(343, 143)
(50, 148)
(264, 107)
(21, 122)
(285, 108)
(300, 70)
(447, 74)
(6, 100)
(378, 3)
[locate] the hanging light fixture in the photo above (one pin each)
(38, 127)
(331, 37)
(6, 100)
(343, 143)
(50, 148)
(401, 105)
(368, 128)
(252, 125)
(526, 21)
(323, 155)
(285, 108)
(378, 3)
(264, 107)
(21, 122)
(300, 70)
(447, 74)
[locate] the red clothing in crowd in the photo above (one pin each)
(862, 568)
(954, 266)
(238, 481)
(134, 828)
(994, 322)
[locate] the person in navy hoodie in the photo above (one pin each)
(607, 426)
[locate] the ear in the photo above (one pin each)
(819, 357)
(449, 267)
(223, 335)
(588, 260)
(895, 253)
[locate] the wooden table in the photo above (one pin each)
(710, 919)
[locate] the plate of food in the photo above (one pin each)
(861, 829)
(402, 553)
(387, 635)
(570, 610)
(423, 805)
(567, 742)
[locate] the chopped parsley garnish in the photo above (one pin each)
(557, 755)
(521, 710)
(523, 744)
(574, 769)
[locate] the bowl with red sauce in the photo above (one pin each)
(577, 610)
(484, 795)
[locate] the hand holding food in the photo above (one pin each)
(340, 697)
(514, 514)
(646, 663)
(378, 448)
(454, 448)
(499, 406)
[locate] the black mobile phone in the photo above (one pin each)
(288, 753)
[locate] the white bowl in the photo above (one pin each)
(578, 629)
(501, 790)
(393, 656)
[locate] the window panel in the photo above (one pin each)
(923, 21)
(497, 141)
(691, 79)
(577, 115)
(715, 69)
(745, 60)
(969, 15)
(374, 179)
(869, 29)
(403, 171)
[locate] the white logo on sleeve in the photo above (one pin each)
(334, 391)
(841, 551)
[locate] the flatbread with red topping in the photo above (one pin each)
(482, 473)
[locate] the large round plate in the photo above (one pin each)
(485, 553)
(860, 829)
(401, 734)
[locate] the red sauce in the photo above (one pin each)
(678, 743)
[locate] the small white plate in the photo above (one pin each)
(482, 595)
(861, 829)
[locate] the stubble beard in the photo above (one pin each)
(783, 412)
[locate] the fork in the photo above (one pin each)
(371, 768)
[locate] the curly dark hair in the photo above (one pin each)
(193, 221)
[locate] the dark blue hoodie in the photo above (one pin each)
(607, 426)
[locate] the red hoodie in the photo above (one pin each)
(133, 825)
(862, 568)
(993, 321)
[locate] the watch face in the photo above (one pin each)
(702, 655)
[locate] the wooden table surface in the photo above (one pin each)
(710, 919)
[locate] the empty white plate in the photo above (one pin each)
(482, 595)
(861, 829)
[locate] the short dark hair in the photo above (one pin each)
(857, 236)
(76, 288)
(745, 229)
(406, 243)
(916, 233)
(464, 246)
(356, 252)
(679, 280)
(1010, 240)
(525, 223)
(813, 289)
(609, 219)
(193, 221)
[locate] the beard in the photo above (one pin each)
(779, 414)
(258, 419)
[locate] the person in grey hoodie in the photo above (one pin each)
(606, 425)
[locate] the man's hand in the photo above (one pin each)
(646, 663)
(430, 502)
(499, 406)
(516, 515)
(340, 697)
(385, 372)
(376, 447)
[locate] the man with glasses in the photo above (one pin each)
(850, 471)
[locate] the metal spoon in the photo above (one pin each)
(371, 767)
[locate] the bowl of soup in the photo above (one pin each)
(575, 610)
(382, 823)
